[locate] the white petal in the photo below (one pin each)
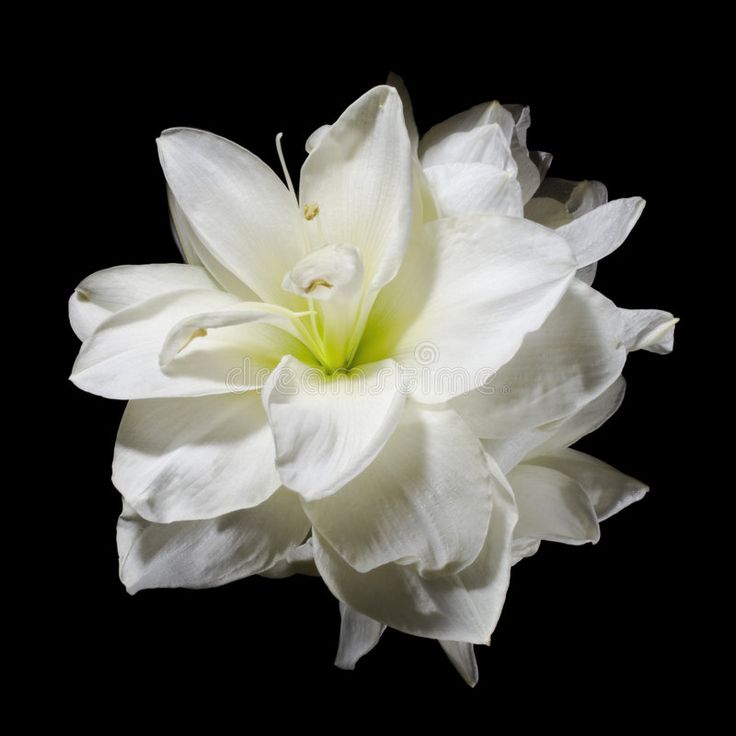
(598, 233)
(297, 561)
(463, 660)
(184, 236)
(395, 81)
(587, 274)
(121, 359)
(528, 174)
(542, 160)
(470, 290)
(473, 188)
(584, 421)
(196, 325)
(327, 430)
(586, 197)
(316, 138)
(195, 251)
(483, 114)
(360, 177)
(184, 459)
(649, 329)
(238, 208)
(462, 607)
(575, 356)
(608, 489)
(552, 506)
(509, 451)
(106, 292)
(524, 547)
(426, 499)
(578, 197)
(547, 211)
(358, 635)
(204, 554)
(485, 144)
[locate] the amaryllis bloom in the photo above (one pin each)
(364, 380)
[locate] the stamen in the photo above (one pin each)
(283, 165)
(199, 332)
(315, 284)
(311, 211)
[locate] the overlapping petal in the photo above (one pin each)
(552, 506)
(425, 500)
(246, 220)
(359, 175)
(103, 293)
(196, 458)
(461, 607)
(564, 365)
(121, 359)
(328, 429)
(469, 291)
(211, 552)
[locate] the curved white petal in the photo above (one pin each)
(316, 138)
(462, 607)
(528, 175)
(461, 189)
(485, 144)
(298, 560)
(195, 251)
(542, 160)
(649, 329)
(547, 211)
(471, 288)
(395, 81)
(509, 451)
(196, 325)
(578, 197)
(358, 635)
(609, 490)
(204, 554)
(184, 236)
(486, 113)
(463, 660)
(599, 232)
(524, 547)
(586, 420)
(568, 362)
(360, 177)
(587, 274)
(552, 506)
(106, 292)
(329, 429)
(237, 207)
(184, 459)
(120, 360)
(424, 500)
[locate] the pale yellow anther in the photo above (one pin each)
(311, 210)
(315, 284)
(199, 332)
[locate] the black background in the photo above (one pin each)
(602, 625)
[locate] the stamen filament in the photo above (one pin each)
(289, 183)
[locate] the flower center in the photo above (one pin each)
(332, 279)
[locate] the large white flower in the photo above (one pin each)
(310, 391)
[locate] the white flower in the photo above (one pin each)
(310, 391)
